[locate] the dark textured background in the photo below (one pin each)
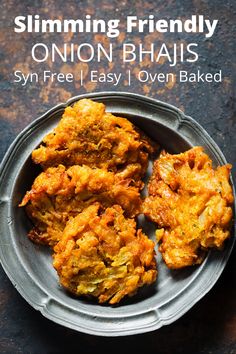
(210, 327)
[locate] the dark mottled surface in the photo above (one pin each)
(210, 327)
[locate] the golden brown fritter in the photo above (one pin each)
(88, 135)
(104, 256)
(191, 203)
(59, 193)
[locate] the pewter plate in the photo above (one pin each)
(29, 266)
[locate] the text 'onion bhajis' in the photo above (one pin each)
(88, 135)
(191, 203)
(59, 193)
(104, 256)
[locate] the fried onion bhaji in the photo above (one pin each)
(190, 201)
(88, 135)
(104, 256)
(59, 193)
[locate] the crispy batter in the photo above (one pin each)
(104, 256)
(88, 135)
(59, 193)
(84, 202)
(191, 203)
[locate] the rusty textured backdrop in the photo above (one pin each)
(210, 327)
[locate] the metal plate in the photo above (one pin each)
(29, 266)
